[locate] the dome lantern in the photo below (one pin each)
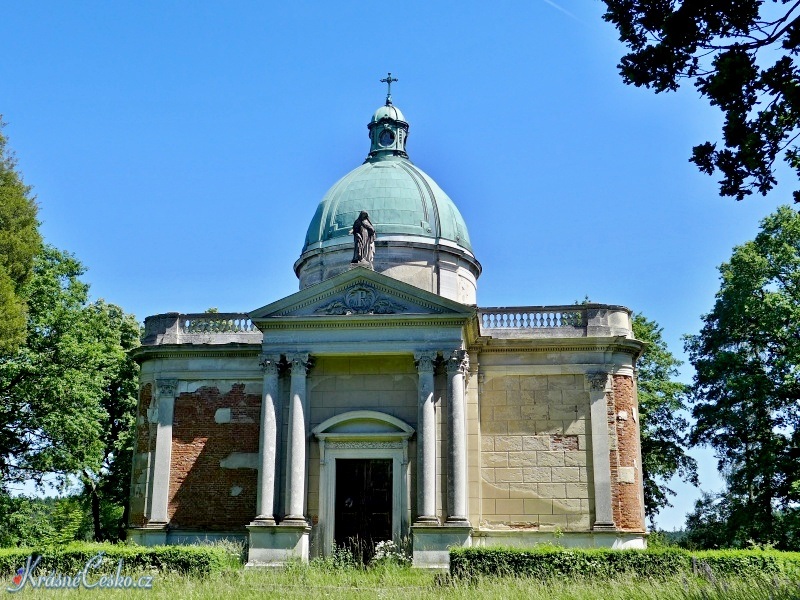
(388, 130)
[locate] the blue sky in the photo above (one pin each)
(179, 149)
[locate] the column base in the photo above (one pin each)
(152, 534)
(426, 520)
(277, 545)
(604, 526)
(431, 544)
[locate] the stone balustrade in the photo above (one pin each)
(200, 328)
(530, 317)
(577, 320)
(574, 320)
(216, 323)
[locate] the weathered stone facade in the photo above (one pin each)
(535, 459)
(383, 401)
(531, 400)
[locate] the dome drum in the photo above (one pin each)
(443, 268)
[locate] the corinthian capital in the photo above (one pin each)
(597, 381)
(424, 361)
(167, 387)
(298, 363)
(458, 361)
(270, 364)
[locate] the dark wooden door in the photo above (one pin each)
(363, 504)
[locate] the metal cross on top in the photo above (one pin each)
(388, 81)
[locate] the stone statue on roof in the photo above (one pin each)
(363, 240)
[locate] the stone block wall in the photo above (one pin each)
(213, 474)
(535, 458)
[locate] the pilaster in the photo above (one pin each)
(598, 384)
(166, 390)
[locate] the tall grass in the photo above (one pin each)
(327, 579)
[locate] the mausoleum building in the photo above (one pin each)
(379, 402)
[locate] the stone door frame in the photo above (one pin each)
(366, 435)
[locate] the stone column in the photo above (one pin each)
(297, 441)
(426, 441)
(268, 442)
(457, 367)
(166, 389)
(601, 462)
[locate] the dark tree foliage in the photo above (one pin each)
(107, 489)
(19, 243)
(742, 56)
(713, 524)
(663, 428)
(50, 417)
(67, 394)
(37, 522)
(746, 392)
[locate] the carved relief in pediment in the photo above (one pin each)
(361, 299)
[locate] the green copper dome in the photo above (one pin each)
(388, 111)
(400, 198)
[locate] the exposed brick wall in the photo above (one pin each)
(535, 463)
(141, 448)
(203, 495)
(626, 472)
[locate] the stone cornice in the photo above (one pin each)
(591, 344)
(345, 244)
(143, 353)
(363, 321)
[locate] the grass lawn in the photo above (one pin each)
(400, 583)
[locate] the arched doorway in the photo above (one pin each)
(364, 488)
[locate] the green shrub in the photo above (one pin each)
(552, 562)
(69, 559)
(749, 562)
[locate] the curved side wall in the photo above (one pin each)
(626, 472)
(450, 273)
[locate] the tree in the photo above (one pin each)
(663, 428)
(712, 523)
(50, 415)
(108, 489)
(746, 391)
(67, 393)
(67, 384)
(742, 56)
(19, 243)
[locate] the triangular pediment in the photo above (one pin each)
(363, 292)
